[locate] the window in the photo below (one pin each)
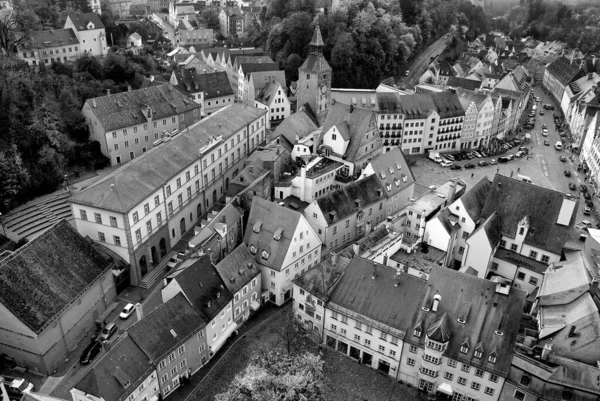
(181, 350)
(135, 217)
(525, 380)
(489, 391)
(533, 280)
(83, 214)
(502, 244)
(138, 235)
(117, 240)
(173, 370)
(533, 254)
(448, 376)
(367, 342)
(410, 362)
(519, 395)
(98, 218)
(381, 348)
(461, 250)
(475, 386)
(357, 337)
(146, 208)
(413, 349)
(462, 381)
(101, 236)
(478, 372)
(182, 364)
(465, 368)
(545, 258)
(514, 247)
(494, 266)
(521, 276)
(494, 378)
(492, 359)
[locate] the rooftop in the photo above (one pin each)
(432, 200)
(237, 269)
(564, 284)
(320, 280)
(419, 259)
(392, 171)
(81, 21)
(520, 260)
(166, 328)
(564, 70)
(296, 126)
(448, 105)
(133, 182)
(53, 38)
(40, 280)
(213, 85)
(215, 223)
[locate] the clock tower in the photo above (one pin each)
(314, 79)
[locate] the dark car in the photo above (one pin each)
(544, 126)
(572, 186)
(562, 159)
(567, 173)
(469, 165)
(547, 142)
(503, 159)
(483, 163)
(583, 188)
(589, 203)
(587, 195)
(455, 167)
(90, 352)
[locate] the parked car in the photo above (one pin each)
(476, 154)
(541, 112)
(587, 196)
(483, 154)
(455, 167)
(483, 163)
(493, 162)
(524, 149)
(127, 311)
(519, 154)
(173, 262)
(562, 159)
(587, 211)
(510, 157)
(544, 133)
(18, 386)
(544, 126)
(182, 254)
(90, 352)
(469, 165)
(589, 203)
(572, 186)
(446, 163)
(107, 332)
(450, 157)
(547, 142)
(503, 159)
(567, 173)
(583, 188)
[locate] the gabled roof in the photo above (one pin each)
(267, 94)
(564, 284)
(267, 217)
(321, 280)
(343, 201)
(474, 199)
(447, 104)
(118, 373)
(392, 171)
(228, 215)
(315, 63)
(563, 70)
(213, 85)
(465, 83)
(299, 124)
(52, 38)
(80, 20)
(358, 119)
(467, 97)
(41, 279)
(126, 109)
(238, 268)
(136, 180)
(203, 288)
(512, 200)
(166, 328)
(483, 310)
(419, 105)
(248, 68)
(237, 59)
(258, 78)
(378, 299)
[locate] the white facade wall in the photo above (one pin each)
(92, 41)
(336, 141)
(147, 389)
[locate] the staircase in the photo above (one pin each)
(156, 274)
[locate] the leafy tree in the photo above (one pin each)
(212, 19)
(16, 27)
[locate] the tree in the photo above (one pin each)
(275, 375)
(212, 19)
(16, 27)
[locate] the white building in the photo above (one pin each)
(273, 99)
(90, 31)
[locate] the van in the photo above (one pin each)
(107, 332)
(523, 178)
(558, 145)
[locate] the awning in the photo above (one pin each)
(445, 388)
(216, 346)
(255, 305)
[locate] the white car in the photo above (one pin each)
(545, 133)
(173, 262)
(446, 163)
(21, 385)
(127, 311)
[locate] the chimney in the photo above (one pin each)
(546, 351)
(334, 258)
(94, 103)
(128, 88)
(251, 169)
(571, 331)
(351, 108)
(356, 249)
(437, 298)
(108, 92)
(151, 78)
(451, 193)
(374, 271)
(590, 76)
(112, 187)
(139, 311)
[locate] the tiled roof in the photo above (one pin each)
(154, 80)
(267, 94)
(358, 120)
(378, 298)
(255, 168)
(108, 379)
(343, 201)
(136, 180)
(213, 85)
(229, 215)
(135, 36)
(366, 243)
(201, 283)
(570, 373)
(317, 39)
(298, 124)
(448, 105)
(166, 328)
(418, 260)
(466, 97)
(248, 68)
(465, 83)
(53, 38)
(229, 11)
(271, 217)
(315, 63)
(126, 109)
(474, 199)
(238, 268)
(446, 69)
(563, 285)
(80, 20)
(388, 102)
(419, 105)
(237, 59)
(390, 169)
(483, 310)
(563, 70)
(520, 260)
(258, 78)
(43, 277)
(512, 200)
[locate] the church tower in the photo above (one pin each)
(314, 79)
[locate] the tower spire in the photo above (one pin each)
(316, 44)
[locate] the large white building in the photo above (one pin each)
(144, 208)
(90, 31)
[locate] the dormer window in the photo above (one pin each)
(398, 166)
(382, 174)
(521, 231)
(277, 234)
(257, 226)
(417, 332)
(492, 359)
(388, 187)
(404, 178)
(391, 170)
(478, 354)
(464, 349)
(253, 249)
(397, 182)
(265, 255)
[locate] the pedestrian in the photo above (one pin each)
(512, 172)
(497, 170)
(472, 174)
(518, 169)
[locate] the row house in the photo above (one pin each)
(515, 239)
(582, 117)
(54, 45)
(124, 373)
(211, 91)
(232, 60)
(479, 117)
(351, 136)
(128, 124)
(420, 123)
(283, 244)
(559, 74)
(390, 118)
(204, 289)
(231, 22)
(173, 337)
(451, 119)
(187, 35)
(140, 211)
(272, 97)
(347, 214)
(316, 178)
(264, 72)
(590, 151)
(576, 94)
(242, 277)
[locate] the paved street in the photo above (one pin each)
(419, 64)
